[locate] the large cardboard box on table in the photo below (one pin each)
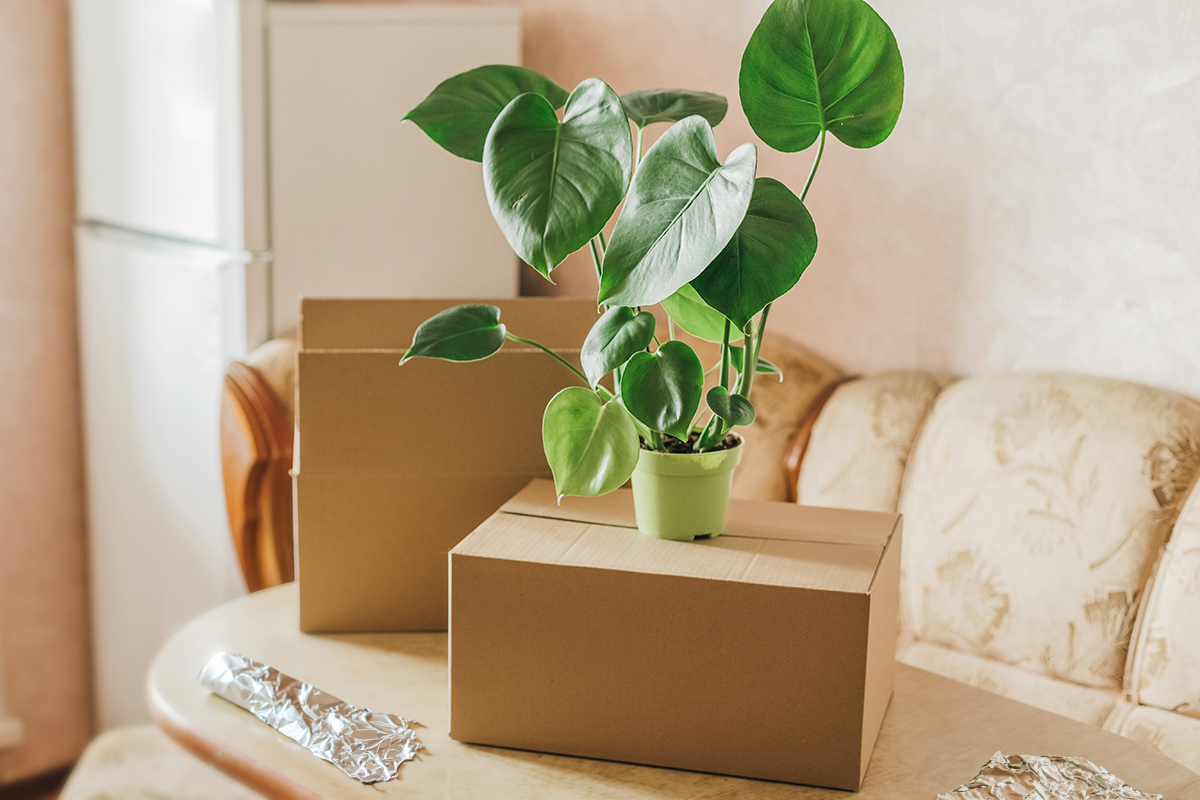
(396, 464)
(767, 652)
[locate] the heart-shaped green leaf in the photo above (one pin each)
(663, 389)
(671, 105)
(615, 337)
(770, 251)
(695, 316)
(733, 408)
(763, 367)
(682, 209)
(553, 185)
(458, 113)
(461, 333)
(592, 446)
(814, 65)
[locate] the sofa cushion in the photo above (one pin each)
(860, 443)
(1164, 670)
(1034, 506)
(1082, 703)
(1172, 734)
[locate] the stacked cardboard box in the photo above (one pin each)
(394, 465)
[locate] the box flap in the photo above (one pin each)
(776, 544)
(389, 324)
(756, 519)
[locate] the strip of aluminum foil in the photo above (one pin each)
(1045, 778)
(365, 745)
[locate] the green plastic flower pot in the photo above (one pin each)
(683, 496)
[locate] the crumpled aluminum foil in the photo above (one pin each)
(1045, 778)
(365, 745)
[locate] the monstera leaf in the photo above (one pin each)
(683, 208)
(733, 408)
(671, 105)
(615, 337)
(553, 185)
(461, 333)
(770, 251)
(591, 446)
(690, 312)
(817, 65)
(663, 389)
(458, 113)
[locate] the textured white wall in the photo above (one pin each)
(1038, 206)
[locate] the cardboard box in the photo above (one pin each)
(395, 464)
(767, 652)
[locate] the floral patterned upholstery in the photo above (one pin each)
(1083, 703)
(862, 439)
(1173, 734)
(1165, 668)
(1036, 508)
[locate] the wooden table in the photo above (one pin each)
(937, 733)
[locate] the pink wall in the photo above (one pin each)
(42, 578)
(1035, 208)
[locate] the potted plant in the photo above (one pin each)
(710, 241)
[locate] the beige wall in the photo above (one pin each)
(1035, 209)
(42, 578)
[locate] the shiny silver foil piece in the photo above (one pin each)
(365, 745)
(1045, 778)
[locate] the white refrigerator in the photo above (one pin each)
(233, 155)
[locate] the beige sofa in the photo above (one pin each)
(1051, 530)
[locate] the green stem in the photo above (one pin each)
(657, 343)
(812, 172)
(637, 150)
(726, 356)
(557, 357)
(671, 327)
(603, 243)
(595, 259)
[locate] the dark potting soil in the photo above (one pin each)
(674, 445)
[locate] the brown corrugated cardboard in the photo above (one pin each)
(396, 464)
(767, 652)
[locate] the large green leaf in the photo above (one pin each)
(671, 105)
(553, 185)
(682, 209)
(695, 316)
(592, 446)
(814, 65)
(770, 251)
(615, 337)
(458, 113)
(663, 389)
(461, 333)
(733, 408)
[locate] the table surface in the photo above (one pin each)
(937, 733)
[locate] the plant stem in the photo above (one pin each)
(603, 243)
(671, 329)
(637, 150)
(750, 359)
(555, 355)
(812, 172)
(726, 357)
(595, 259)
